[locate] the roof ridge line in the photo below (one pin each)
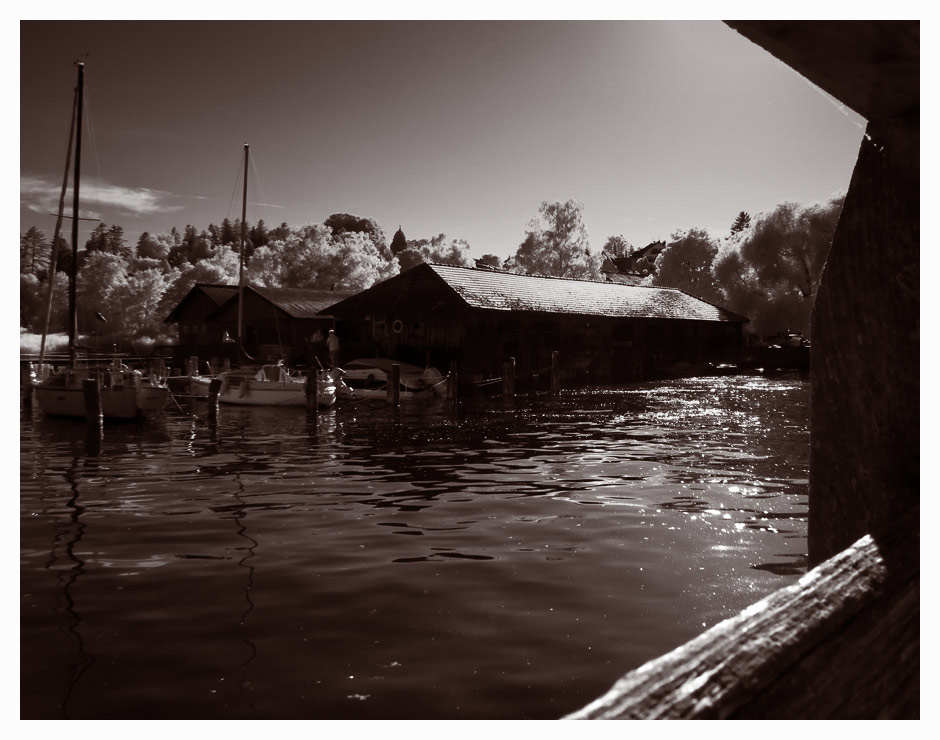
(552, 277)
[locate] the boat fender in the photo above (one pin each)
(243, 387)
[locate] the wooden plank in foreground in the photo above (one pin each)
(843, 642)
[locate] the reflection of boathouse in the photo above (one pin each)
(604, 332)
(278, 322)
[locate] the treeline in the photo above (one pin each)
(766, 268)
(135, 286)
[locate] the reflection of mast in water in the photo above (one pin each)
(241, 512)
(69, 536)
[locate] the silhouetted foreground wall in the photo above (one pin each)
(865, 459)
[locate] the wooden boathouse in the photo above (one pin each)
(279, 323)
(603, 332)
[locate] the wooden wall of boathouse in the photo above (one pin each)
(417, 318)
(278, 324)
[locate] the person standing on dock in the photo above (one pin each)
(332, 345)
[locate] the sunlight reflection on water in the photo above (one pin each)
(482, 561)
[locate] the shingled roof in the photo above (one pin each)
(299, 303)
(504, 291)
(217, 294)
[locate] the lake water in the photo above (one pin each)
(488, 560)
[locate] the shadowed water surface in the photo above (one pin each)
(483, 560)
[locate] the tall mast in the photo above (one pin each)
(54, 257)
(73, 308)
(241, 257)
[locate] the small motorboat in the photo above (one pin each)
(367, 378)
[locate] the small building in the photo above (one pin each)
(278, 323)
(603, 332)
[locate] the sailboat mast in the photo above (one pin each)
(241, 257)
(73, 308)
(54, 257)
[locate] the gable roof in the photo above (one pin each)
(217, 294)
(299, 303)
(503, 291)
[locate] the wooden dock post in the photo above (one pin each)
(394, 382)
(452, 382)
(556, 373)
(91, 390)
(509, 378)
(215, 387)
(310, 391)
(26, 385)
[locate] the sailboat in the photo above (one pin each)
(269, 384)
(124, 393)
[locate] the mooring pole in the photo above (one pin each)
(452, 381)
(91, 390)
(310, 390)
(215, 388)
(394, 381)
(509, 377)
(26, 384)
(556, 376)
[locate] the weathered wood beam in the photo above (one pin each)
(842, 643)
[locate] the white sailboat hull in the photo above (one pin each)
(124, 394)
(243, 389)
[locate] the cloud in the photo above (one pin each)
(42, 196)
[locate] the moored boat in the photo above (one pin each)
(124, 393)
(268, 385)
(366, 378)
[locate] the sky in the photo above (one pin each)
(455, 127)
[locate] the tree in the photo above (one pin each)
(221, 268)
(100, 274)
(399, 243)
(342, 223)
(437, 250)
(34, 252)
(192, 247)
(109, 240)
(156, 248)
(227, 233)
(771, 271)
(617, 246)
(139, 297)
(491, 260)
(742, 222)
(313, 257)
(279, 232)
(34, 293)
(686, 263)
(556, 244)
(258, 235)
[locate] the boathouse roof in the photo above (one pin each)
(211, 295)
(299, 303)
(504, 291)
